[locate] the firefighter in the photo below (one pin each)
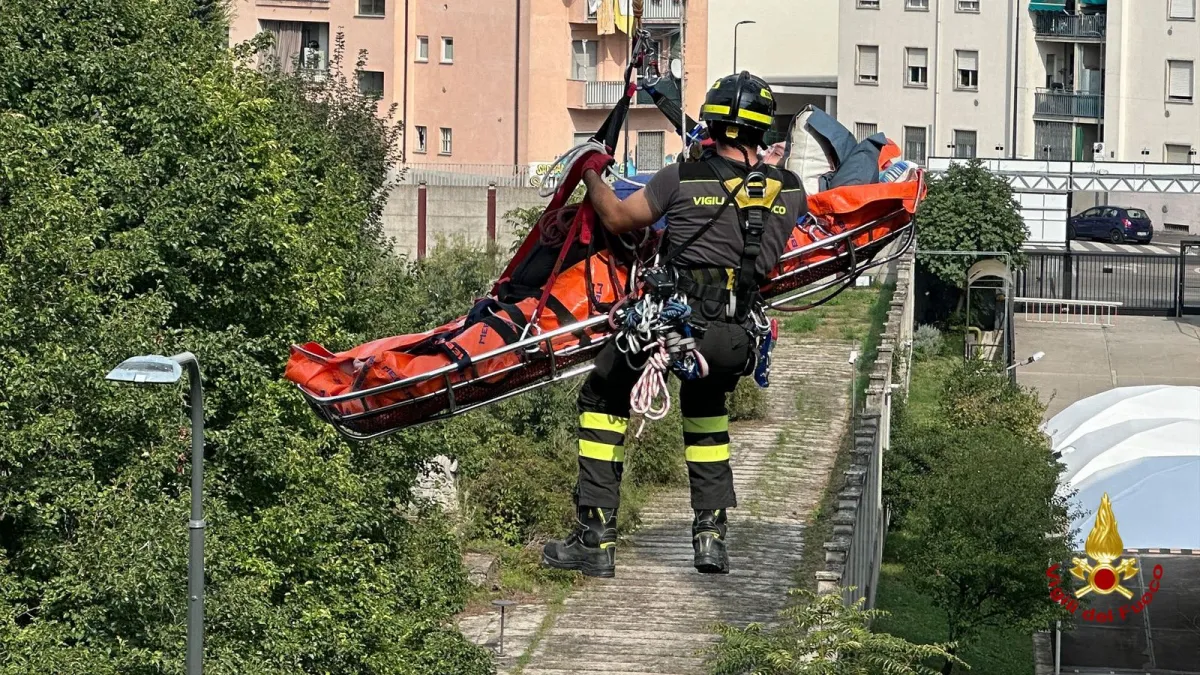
(728, 218)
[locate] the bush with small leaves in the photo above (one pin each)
(927, 342)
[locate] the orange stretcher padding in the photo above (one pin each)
(382, 362)
(324, 374)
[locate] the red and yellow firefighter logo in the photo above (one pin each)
(1104, 546)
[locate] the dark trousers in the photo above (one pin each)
(604, 419)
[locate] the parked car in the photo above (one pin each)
(1117, 224)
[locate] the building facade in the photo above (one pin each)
(792, 45)
(483, 85)
(1065, 80)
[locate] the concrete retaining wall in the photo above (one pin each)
(453, 212)
(854, 553)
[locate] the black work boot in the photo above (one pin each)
(708, 541)
(591, 548)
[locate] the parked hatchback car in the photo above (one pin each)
(1117, 224)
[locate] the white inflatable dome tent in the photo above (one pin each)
(1141, 445)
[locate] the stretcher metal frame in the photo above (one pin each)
(540, 349)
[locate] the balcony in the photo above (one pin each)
(1070, 27)
(653, 11)
(605, 94)
(1069, 104)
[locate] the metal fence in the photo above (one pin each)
(1068, 103)
(1143, 283)
(470, 175)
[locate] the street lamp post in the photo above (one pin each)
(168, 370)
(1032, 359)
(735, 41)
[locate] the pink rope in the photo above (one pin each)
(651, 386)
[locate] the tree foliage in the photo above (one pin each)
(157, 196)
(968, 209)
(987, 522)
(973, 496)
(820, 635)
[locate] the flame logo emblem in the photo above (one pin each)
(1104, 546)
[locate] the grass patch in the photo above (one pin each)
(845, 317)
(914, 618)
(820, 526)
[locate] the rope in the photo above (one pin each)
(652, 386)
(563, 165)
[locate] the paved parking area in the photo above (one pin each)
(1085, 360)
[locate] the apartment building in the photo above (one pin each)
(496, 83)
(1045, 79)
(1080, 80)
(792, 45)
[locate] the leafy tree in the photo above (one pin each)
(968, 209)
(985, 525)
(820, 635)
(979, 393)
(157, 196)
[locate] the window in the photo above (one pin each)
(914, 144)
(422, 48)
(964, 144)
(868, 4)
(371, 7)
(583, 67)
(922, 5)
(1137, 214)
(447, 50)
(370, 83)
(1179, 81)
(422, 140)
(864, 130)
(447, 141)
(1182, 10)
(918, 66)
(1093, 212)
(968, 5)
(1178, 154)
(868, 64)
(650, 151)
(968, 69)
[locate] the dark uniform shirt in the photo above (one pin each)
(690, 194)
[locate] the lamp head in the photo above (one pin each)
(147, 370)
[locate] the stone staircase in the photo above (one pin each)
(657, 615)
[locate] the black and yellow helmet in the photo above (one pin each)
(740, 100)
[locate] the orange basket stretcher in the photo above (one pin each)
(397, 383)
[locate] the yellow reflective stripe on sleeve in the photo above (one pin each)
(602, 422)
(706, 453)
(755, 117)
(602, 451)
(705, 425)
(716, 109)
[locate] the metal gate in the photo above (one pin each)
(1189, 276)
(1142, 283)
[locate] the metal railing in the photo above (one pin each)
(1068, 103)
(1077, 312)
(602, 94)
(1086, 26)
(470, 175)
(656, 11)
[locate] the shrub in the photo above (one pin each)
(979, 393)
(819, 635)
(927, 342)
(748, 402)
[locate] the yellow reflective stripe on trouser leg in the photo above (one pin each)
(707, 453)
(602, 437)
(706, 425)
(706, 439)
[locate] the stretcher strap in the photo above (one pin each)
(566, 318)
(461, 358)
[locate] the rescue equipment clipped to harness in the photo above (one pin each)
(659, 323)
